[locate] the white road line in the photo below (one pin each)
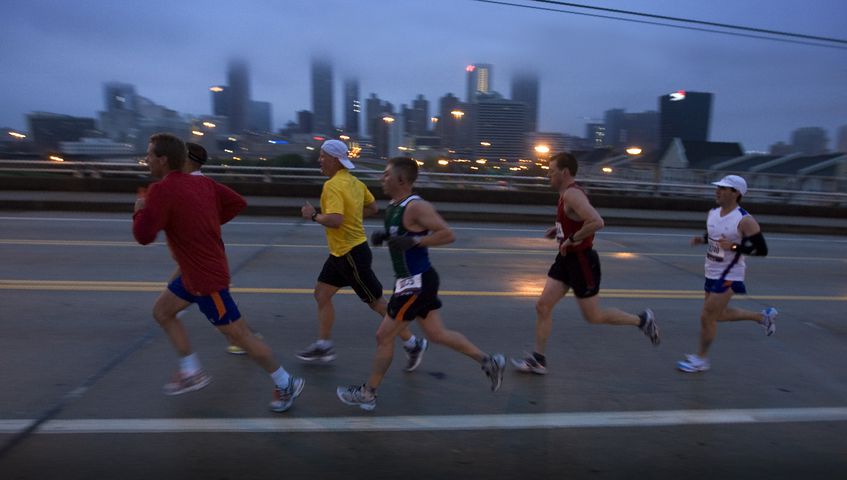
(368, 423)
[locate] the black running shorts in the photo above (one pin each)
(353, 270)
(578, 270)
(412, 304)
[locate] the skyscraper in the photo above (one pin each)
(479, 80)
(220, 100)
(684, 115)
(450, 121)
(322, 95)
(809, 140)
(416, 119)
(352, 106)
(525, 89)
(499, 128)
(120, 117)
(238, 96)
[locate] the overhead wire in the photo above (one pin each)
(754, 32)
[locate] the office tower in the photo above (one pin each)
(352, 107)
(48, 129)
(479, 80)
(595, 135)
(322, 96)
(220, 100)
(375, 109)
(525, 89)
(305, 121)
(452, 113)
(239, 96)
(120, 117)
(809, 140)
(841, 145)
(259, 117)
(684, 115)
(499, 128)
(641, 130)
(416, 119)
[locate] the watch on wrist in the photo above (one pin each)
(315, 216)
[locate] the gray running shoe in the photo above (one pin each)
(357, 396)
(493, 366)
(415, 354)
(650, 328)
(317, 354)
(284, 397)
(528, 364)
(693, 364)
(769, 320)
(184, 384)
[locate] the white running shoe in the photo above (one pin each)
(693, 364)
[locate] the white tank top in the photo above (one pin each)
(720, 263)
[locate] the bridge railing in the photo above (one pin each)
(646, 183)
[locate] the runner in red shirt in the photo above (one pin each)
(577, 267)
(191, 209)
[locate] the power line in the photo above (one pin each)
(757, 33)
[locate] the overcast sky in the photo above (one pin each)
(57, 54)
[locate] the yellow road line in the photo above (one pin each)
(465, 251)
(125, 286)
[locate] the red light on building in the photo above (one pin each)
(470, 68)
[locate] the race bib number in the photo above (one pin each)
(715, 252)
(408, 285)
(560, 234)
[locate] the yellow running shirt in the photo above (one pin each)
(346, 195)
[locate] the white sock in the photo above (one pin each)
(324, 344)
(190, 364)
(410, 343)
(280, 377)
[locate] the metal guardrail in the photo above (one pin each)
(625, 182)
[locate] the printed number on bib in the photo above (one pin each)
(715, 252)
(408, 284)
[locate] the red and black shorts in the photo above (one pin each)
(578, 270)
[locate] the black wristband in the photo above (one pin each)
(315, 216)
(573, 240)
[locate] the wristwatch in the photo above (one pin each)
(315, 216)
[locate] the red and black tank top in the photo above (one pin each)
(565, 227)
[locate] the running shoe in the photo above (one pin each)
(315, 353)
(357, 396)
(650, 328)
(415, 354)
(493, 366)
(186, 383)
(529, 364)
(769, 320)
(236, 350)
(284, 397)
(693, 364)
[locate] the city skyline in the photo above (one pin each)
(764, 90)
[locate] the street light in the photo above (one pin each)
(388, 119)
(634, 150)
(209, 125)
(542, 149)
(19, 136)
(457, 114)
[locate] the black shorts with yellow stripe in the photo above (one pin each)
(353, 270)
(410, 305)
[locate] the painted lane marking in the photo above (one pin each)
(546, 421)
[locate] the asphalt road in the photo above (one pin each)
(83, 364)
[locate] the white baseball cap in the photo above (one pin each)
(733, 181)
(338, 149)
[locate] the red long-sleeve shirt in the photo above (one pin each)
(190, 209)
